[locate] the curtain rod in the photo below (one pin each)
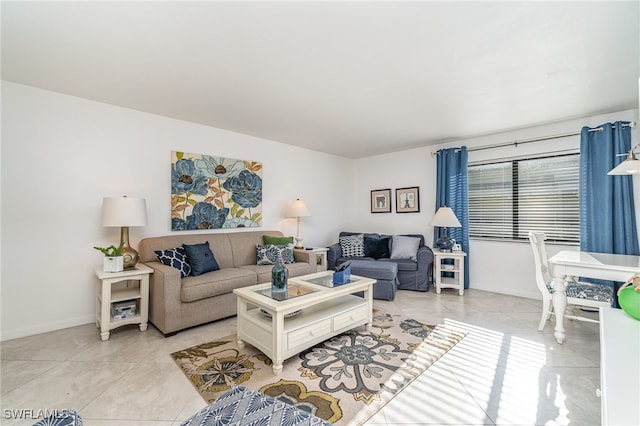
(539, 139)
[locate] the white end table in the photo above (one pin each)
(457, 281)
(116, 287)
(321, 257)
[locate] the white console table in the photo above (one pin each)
(619, 368)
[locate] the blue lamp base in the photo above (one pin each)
(444, 243)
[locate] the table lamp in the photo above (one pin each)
(445, 218)
(125, 212)
(298, 209)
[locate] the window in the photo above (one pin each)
(510, 198)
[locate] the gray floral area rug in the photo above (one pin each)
(344, 380)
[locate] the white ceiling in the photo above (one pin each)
(349, 78)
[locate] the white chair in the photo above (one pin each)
(578, 293)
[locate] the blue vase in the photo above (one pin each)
(279, 276)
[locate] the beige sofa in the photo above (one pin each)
(176, 304)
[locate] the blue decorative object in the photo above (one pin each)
(342, 276)
(279, 276)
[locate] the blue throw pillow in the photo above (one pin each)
(176, 258)
(377, 248)
(200, 258)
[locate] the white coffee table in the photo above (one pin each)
(274, 327)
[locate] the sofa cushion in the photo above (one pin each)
(176, 258)
(200, 258)
(268, 255)
(352, 245)
(404, 247)
(280, 241)
(403, 264)
(215, 283)
(376, 247)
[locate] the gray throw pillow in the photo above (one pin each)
(404, 247)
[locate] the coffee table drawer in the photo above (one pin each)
(310, 332)
(350, 317)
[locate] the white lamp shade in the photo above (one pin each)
(124, 211)
(298, 209)
(630, 166)
(445, 217)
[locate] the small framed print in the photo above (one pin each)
(408, 200)
(381, 201)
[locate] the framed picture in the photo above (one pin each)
(408, 200)
(381, 201)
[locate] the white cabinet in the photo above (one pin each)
(619, 368)
(441, 267)
(122, 298)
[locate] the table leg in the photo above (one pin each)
(559, 300)
(277, 367)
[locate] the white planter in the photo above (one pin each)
(114, 263)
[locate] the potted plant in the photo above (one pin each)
(113, 258)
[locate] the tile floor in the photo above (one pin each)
(504, 372)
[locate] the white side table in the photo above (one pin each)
(113, 287)
(457, 281)
(321, 257)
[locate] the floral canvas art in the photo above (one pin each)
(209, 192)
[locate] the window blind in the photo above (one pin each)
(508, 199)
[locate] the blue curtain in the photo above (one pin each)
(451, 191)
(607, 212)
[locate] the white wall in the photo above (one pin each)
(502, 267)
(61, 155)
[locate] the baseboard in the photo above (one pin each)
(45, 328)
(510, 292)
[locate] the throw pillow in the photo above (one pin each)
(377, 248)
(176, 258)
(404, 247)
(279, 241)
(352, 245)
(268, 255)
(200, 258)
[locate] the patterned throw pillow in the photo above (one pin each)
(268, 255)
(352, 245)
(175, 257)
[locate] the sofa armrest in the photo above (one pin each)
(334, 253)
(424, 259)
(164, 298)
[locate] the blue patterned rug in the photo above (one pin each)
(344, 380)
